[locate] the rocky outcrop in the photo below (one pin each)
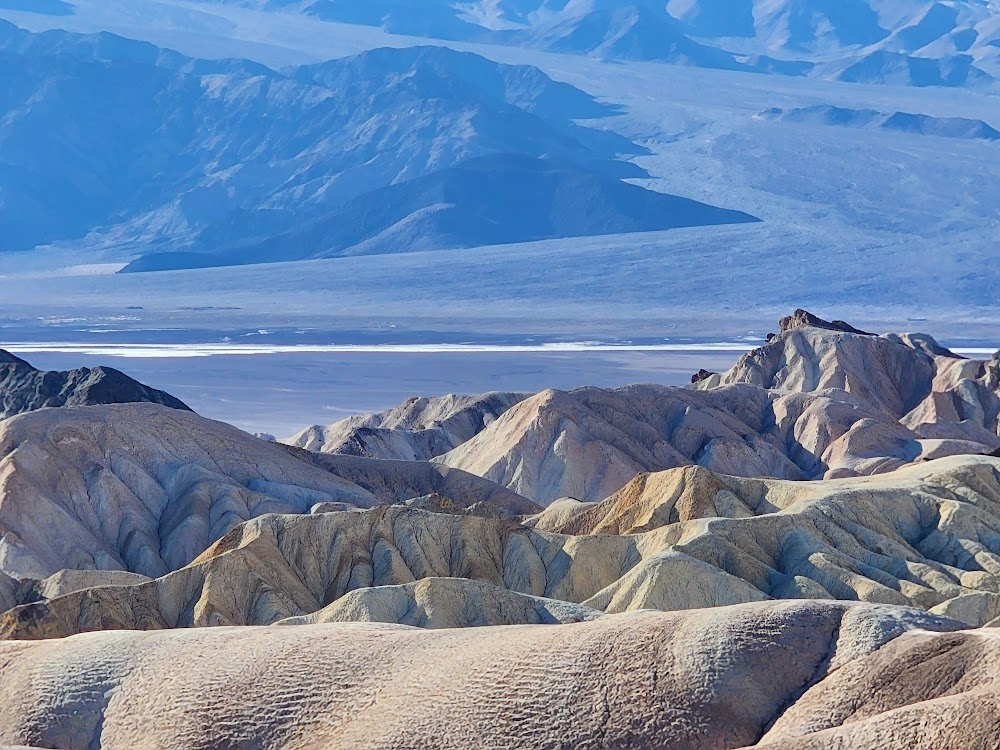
(419, 429)
(702, 375)
(648, 502)
(66, 582)
(24, 388)
(805, 319)
(790, 672)
(921, 690)
(882, 373)
(282, 566)
(587, 444)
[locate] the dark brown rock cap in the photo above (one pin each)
(805, 319)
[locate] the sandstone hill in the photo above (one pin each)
(439, 603)
(146, 489)
(774, 674)
(419, 429)
(926, 536)
(24, 388)
(819, 400)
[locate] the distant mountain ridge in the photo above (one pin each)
(492, 200)
(905, 122)
(942, 43)
(183, 159)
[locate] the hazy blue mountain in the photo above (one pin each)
(942, 127)
(487, 201)
(132, 144)
(430, 18)
(612, 29)
(627, 31)
(839, 39)
(943, 43)
(809, 24)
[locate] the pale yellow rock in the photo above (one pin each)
(277, 567)
(919, 537)
(975, 610)
(673, 581)
(647, 502)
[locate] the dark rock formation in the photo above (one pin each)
(701, 375)
(24, 388)
(804, 319)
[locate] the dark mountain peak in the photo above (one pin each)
(24, 388)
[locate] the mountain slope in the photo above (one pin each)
(946, 43)
(626, 31)
(497, 200)
(419, 429)
(924, 536)
(904, 122)
(157, 149)
(613, 29)
(943, 43)
(437, 603)
(818, 400)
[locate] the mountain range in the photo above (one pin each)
(942, 43)
(228, 162)
(179, 162)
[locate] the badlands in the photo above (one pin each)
(801, 552)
